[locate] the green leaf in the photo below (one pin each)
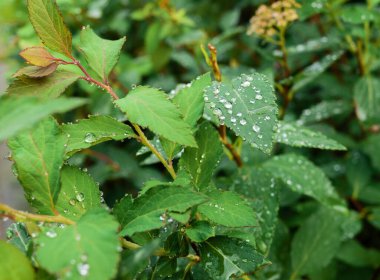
(88, 249)
(367, 99)
(37, 56)
(371, 147)
(247, 105)
(148, 211)
(48, 87)
(228, 258)
(79, 193)
(325, 110)
(357, 14)
(302, 176)
(18, 236)
(33, 110)
(38, 155)
(48, 23)
(299, 136)
(374, 216)
(358, 170)
(228, 209)
(36, 71)
(200, 231)
(316, 242)
(149, 107)
(311, 72)
(101, 55)
(94, 130)
(353, 253)
(14, 264)
(201, 162)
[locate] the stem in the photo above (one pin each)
(285, 90)
(133, 246)
(229, 146)
(22, 216)
(114, 165)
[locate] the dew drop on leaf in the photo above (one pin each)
(89, 138)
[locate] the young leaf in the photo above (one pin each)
(37, 71)
(246, 105)
(101, 55)
(299, 136)
(88, 248)
(201, 162)
(200, 231)
(97, 129)
(149, 107)
(228, 209)
(33, 110)
(367, 99)
(51, 86)
(302, 176)
(146, 212)
(14, 264)
(229, 258)
(48, 23)
(37, 56)
(38, 155)
(79, 193)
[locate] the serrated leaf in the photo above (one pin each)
(324, 110)
(316, 242)
(145, 212)
(201, 162)
(228, 209)
(33, 110)
(101, 54)
(14, 265)
(247, 105)
(94, 130)
(36, 71)
(149, 107)
(48, 23)
(367, 99)
(298, 136)
(79, 193)
(228, 258)
(302, 176)
(38, 155)
(87, 249)
(200, 231)
(51, 86)
(37, 56)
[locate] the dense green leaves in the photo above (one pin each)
(14, 264)
(33, 110)
(299, 136)
(367, 99)
(150, 210)
(88, 249)
(247, 106)
(302, 176)
(48, 23)
(94, 130)
(101, 55)
(38, 156)
(150, 108)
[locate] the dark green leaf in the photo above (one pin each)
(200, 231)
(367, 99)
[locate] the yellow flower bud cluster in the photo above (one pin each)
(269, 19)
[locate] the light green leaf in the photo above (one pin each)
(201, 162)
(148, 211)
(33, 110)
(101, 55)
(247, 105)
(325, 110)
(367, 99)
(38, 155)
(228, 209)
(14, 264)
(88, 249)
(200, 231)
(149, 107)
(94, 130)
(48, 23)
(302, 176)
(299, 136)
(228, 258)
(316, 242)
(48, 87)
(79, 193)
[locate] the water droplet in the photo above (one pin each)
(256, 128)
(243, 122)
(51, 234)
(246, 84)
(259, 96)
(83, 268)
(80, 196)
(72, 201)
(228, 105)
(89, 138)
